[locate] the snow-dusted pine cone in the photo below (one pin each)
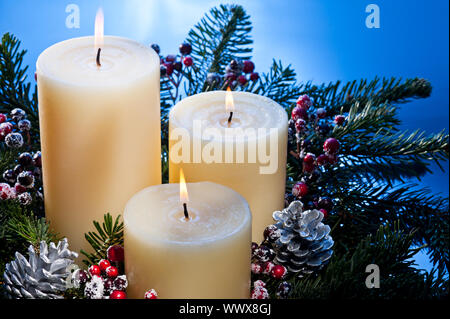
(43, 275)
(303, 244)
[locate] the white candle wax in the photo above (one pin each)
(261, 184)
(207, 256)
(100, 130)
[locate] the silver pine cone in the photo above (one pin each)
(43, 275)
(303, 244)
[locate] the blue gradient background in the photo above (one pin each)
(323, 40)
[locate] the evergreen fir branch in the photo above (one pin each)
(415, 145)
(15, 92)
(387, 90)
(222, 35)
(379, 170)
(32, 229)
(390, 249)
(363, 207)
(109, 233)
(279, 84)
(364, 121)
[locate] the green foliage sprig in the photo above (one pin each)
(107, 234)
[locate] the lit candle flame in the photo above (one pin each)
(184, 198)
(229, 103)
(99, 22)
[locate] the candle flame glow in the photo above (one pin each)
(184, 198)
(99, 23)
(229, 103)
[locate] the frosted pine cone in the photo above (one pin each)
(304, 244)
(43, 275)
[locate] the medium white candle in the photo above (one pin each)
(100, 129)
(254, 166)
(205, 256)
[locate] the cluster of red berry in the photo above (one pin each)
(236, 73)
(104, 280)
(172, 62)
(263, 267)
(23, 180)
(306, 122)
(11, 129)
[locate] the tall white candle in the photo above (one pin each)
(205, 256)
(100, 129)
(254, 166)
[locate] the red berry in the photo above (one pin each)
(300, 125)
(230, 77)
(169, 68)
(308, 168)
(185, 48)
(19, 188)
(5, 128)
(309, 158)
(267, 267)
(177, 66)
(322, 159)
(2, 118)
(279, 271)
(331, 145)
(117, 294)
(324, 212)
(300, 189)
(242, 79)
(248, 66)
(115, 253)
(171, 58)
(104, 264)
(151, 294)
(299, 113)
(339, 119)
(112, 272)
(254, 76)
(5, 191)
(95, 270)
(260, 293)
(321, 113)
(37, 161)
(304, 101)
(256, 268)
(188, 61)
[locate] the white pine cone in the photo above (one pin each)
(43, 275)
(304, 244)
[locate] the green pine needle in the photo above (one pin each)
(107, 234)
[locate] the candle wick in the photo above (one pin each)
(186, 214)
(98, 57)
(230, 117)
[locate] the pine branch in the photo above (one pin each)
(387, 90)
(15, 92)
(222, 35)
(279, 84)
(390, 249)
(414, 145)
(32, 229)
(380, 171)
(362, 207)
(108, 234)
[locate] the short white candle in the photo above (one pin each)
(261, 184)
(100, 130)
(206, 256)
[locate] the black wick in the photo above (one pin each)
(231, 116)
(98, 57)
(186, 214)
